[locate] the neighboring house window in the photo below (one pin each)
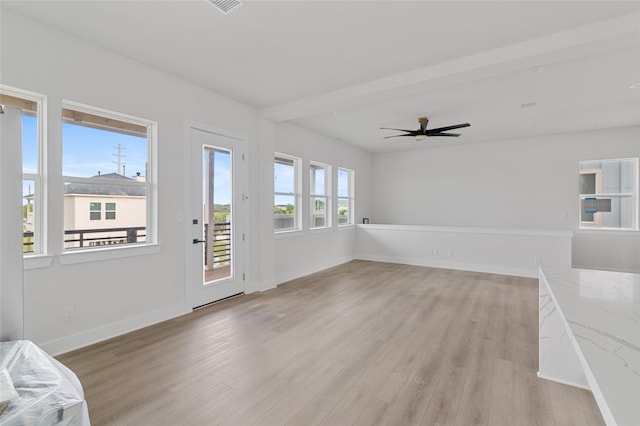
(286, 193)
(345, 197)
(33, 190)
(609, 194)
(95, 211)
(107, 160)
(319, 185)
(110, 211)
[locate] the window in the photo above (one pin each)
(31, 105)
(95, 211)
(609, 194)
(285, 184)
(106, 160)
(345, 197)
(110, 211)
(319, 184)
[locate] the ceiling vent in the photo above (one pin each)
(226, 6)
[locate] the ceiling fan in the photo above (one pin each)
(423, 132)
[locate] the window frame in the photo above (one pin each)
(93, 212)
(296, 162)
(39, 178)
(107, 210)
(596, 224)
(350, 198)
(326, 195)
(150, 183)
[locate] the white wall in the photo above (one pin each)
(607, 250)
(526, 183)
(114, 296)
(307, 251)
(514, 184)
(11, 274)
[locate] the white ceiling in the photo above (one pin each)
(344, 69)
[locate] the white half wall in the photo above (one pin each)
(607, 250)
(514, 184)
(495, 250)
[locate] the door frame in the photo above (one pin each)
(187, 213)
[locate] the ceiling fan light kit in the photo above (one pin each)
(422, 133)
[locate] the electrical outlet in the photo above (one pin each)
(449, 253)
(436, 252)
(69, 313)
(536, 260)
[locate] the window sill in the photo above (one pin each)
(99, 254)
(37, 261)
(348, 226)
(291, 233)
(319, 230)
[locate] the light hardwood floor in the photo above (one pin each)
(363, 343)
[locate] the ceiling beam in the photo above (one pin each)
(586, 40)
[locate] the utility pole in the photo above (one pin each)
(119, 155)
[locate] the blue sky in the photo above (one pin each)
(87, 151)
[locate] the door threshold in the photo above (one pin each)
(218, 301)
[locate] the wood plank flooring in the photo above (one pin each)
(364, 343)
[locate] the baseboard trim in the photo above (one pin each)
(312, 269)
(563, 382)
(114, 329)
(491, 269)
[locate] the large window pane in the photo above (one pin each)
(105, 167)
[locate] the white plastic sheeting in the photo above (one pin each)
(48, 392)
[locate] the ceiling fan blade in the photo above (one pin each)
(400, 130)
(397, 136)
(455, 135)
(444, 129)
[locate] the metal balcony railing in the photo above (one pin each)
(221, 243)
(76, 238)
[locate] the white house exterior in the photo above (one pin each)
(90, 206)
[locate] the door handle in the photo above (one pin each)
(196, 241)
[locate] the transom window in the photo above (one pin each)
(609, 194)
(319, 184)
(106, 162)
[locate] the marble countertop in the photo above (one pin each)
(602, 311)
